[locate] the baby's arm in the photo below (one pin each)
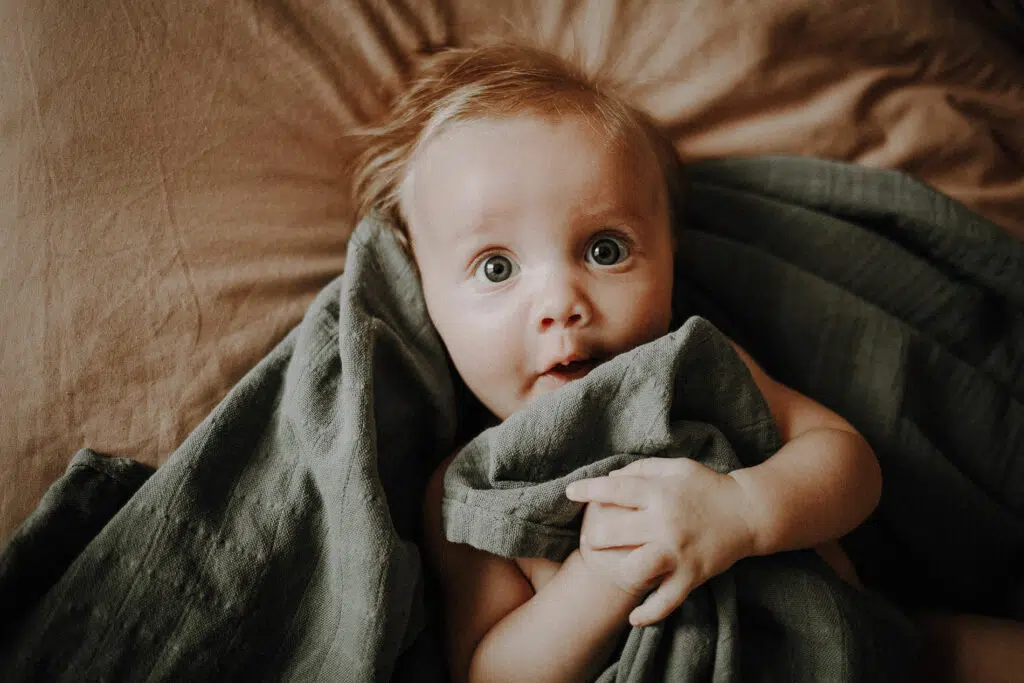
(498, 629)
(956, 647)
(820, 485)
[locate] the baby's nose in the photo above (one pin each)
(571, 320)
(564, 304)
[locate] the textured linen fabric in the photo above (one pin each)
(278, 542)
(904, 312)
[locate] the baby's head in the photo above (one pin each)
(536, 208)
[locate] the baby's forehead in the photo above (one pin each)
(466, 181)
(623, 136)
(628, 142)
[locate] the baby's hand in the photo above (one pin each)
(668, 517)
(633, 569)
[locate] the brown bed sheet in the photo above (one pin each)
(173, 183)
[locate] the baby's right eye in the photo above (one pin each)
(496, 268)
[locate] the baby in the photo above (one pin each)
(536, 207)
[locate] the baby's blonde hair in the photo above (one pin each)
(462, 84)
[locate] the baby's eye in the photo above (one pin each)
(496, 268)
(607, 251)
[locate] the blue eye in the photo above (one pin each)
(607, 251)
(496, 268)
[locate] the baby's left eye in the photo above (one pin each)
(607, 251)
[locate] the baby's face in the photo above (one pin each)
(543, 251)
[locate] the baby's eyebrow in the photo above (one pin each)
(480, 225)
(614, 215)
(621, 206)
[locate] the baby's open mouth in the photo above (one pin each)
(573, 369)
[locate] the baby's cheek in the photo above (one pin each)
(487, 354)
(648, 312)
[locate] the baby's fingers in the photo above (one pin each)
(611, 526)
(662, 602)
(631, 492)
(642, 567)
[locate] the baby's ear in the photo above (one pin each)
(406, 243)
(402, 235)
(394, 217)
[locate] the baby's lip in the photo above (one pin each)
(577, 369)
(573, 366)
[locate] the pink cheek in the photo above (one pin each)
(653, 318)
(482, 353)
